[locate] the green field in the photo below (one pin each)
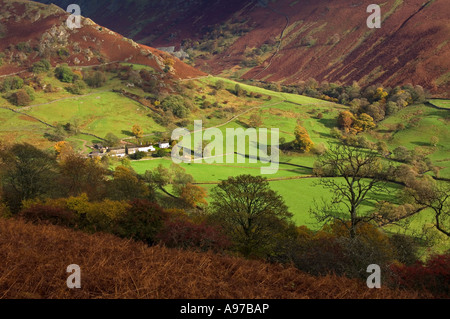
(441, 103)
(295, 184)
(99, 114)
(421, 124)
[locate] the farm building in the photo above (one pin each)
(147, 149)
(117, 152)
(164, 145)
(133, 150)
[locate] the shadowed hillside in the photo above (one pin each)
(291, 41)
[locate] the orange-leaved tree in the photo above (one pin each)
(137, 131)
(302, 140)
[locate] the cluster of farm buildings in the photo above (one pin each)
(100, 150)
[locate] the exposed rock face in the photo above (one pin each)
(55, 38)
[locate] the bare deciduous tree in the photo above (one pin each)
(427, 193)
(362, 177)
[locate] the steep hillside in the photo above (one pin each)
(158, 22)
(35, 258)
(30, 31)
(291, 41)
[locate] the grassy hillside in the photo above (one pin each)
(421, 124)
(116, 268)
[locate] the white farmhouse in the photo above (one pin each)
(147, 149)
(164, 145)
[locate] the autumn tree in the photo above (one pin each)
(142, 221)
(63, 149)
(193, 195)
(253, 215)
(255, 120)
(302, 140)
(160, 177)
(363, 123)
(80, 175)
(352, 124)
(175, 175)
(64, 73)
(127, 185)
(111, 140)
(20, 98)
(362, 178)
(380, 95)
(238, 90)
(26, 172)
(137, 131)
(346, 120)
(96, 79)
(376, 111)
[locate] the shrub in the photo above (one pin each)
(64, 74)
(320, 256)
(402, 154)
(308, 41)
(318, 149)
(339, 255)
(331, 250)
(160, 153)
(16, 83)
(220, 85)
(405, 248)
(77, 87)
(49, 215)
(30, 92)
(433, 276)
(138, 155)
(24, 47)
(177, 105)
(4, 211)
(41, 66)
(104, 215)
(336, 133)
(20, 98)
(63, 53)
(143, 221)
(187, 235)
(96, 79)
(111, 140)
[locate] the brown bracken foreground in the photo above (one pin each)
(34, 258)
